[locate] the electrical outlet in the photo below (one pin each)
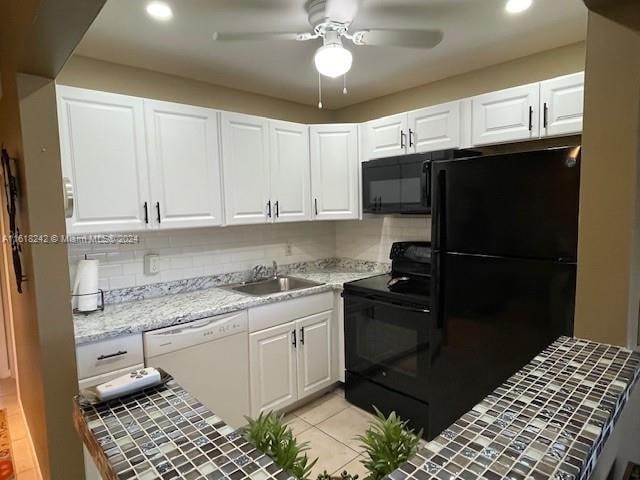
(287, 250)
(151, 264)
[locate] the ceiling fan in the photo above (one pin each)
(330, 20)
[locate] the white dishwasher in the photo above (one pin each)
(210, 359)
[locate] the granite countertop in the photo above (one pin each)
(549, 420)
(141, 315)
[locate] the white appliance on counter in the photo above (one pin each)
(210, 359)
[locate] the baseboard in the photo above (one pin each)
(34, 454)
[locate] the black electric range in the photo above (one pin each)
(387, 335)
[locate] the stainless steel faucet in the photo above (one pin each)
(275, 269)
(258, 272)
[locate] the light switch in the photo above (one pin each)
(151, 264)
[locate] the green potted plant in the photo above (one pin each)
(388, 443)
(343, 476)
(272, 437)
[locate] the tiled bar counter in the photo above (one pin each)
(552, 419)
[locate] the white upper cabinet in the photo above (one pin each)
(507, 115)
(334, 171)
(290, 171)
(562, 101)
(103, 151)
(184, 163)
(385, 137)
(245, 164)
(435, 128)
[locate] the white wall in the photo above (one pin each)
(371, 238)
(207, 251)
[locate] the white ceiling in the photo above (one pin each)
(477, 33)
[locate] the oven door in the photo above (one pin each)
(387, 343)
(396, 185)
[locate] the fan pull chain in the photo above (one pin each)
(319, 91)
(344, 84)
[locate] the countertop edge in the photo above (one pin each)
(246, 302)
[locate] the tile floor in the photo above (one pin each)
(330, 425)
(23, 460)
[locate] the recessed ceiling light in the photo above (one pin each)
(159, 11)
(517, 6)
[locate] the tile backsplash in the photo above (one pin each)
(371, 238)
(207, 251)
(202, 252)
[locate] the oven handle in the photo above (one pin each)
(396, 305)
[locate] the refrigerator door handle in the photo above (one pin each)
(440, 238)
(426, 184)
(439, 210)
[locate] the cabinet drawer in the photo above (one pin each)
(113, 354)
(268, 316)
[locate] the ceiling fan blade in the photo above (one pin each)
(343, 11)
(399, 38)
(253, 36)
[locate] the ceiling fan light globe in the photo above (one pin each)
(517, 6)
(333, 60)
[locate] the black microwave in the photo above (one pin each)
(402, 184)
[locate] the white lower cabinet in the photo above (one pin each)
(272, 365)
(315, 366)
(292, 360)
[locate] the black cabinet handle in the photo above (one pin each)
(410, 138)
(402, 138)
(269, 209)
(530, 118)
(158, 212)
(294, 342)
(316, 205)
(146, 213)
(119, 353)
(277, 205)
(302, 336)
(546, 115)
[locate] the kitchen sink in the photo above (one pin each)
(273, 285)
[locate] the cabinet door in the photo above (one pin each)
(272, 364)
(315, 361)
(334, 171)
(435, 128)
(385, 137)
(103, 151)
(562, 105)
(245, 164)
(184, 164)
(507, 115)
(290, 174)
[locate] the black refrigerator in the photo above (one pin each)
(504, 240)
